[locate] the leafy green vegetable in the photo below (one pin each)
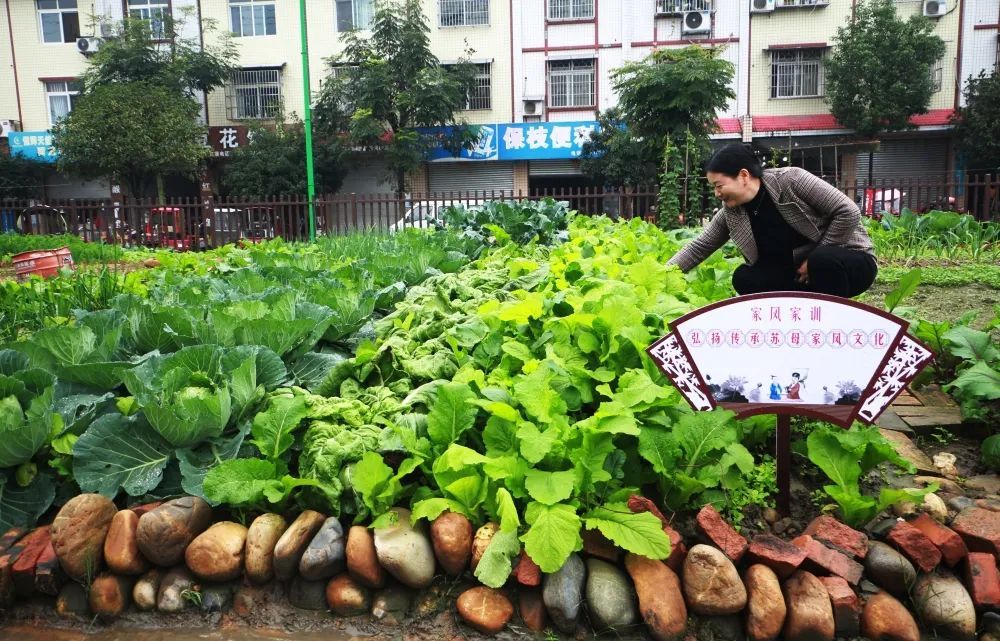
(120, 453)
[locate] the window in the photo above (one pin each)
(680, 6)
(797, 73)
(480, 96)
(571, 9)
(59, 19)
(937, 75)
(464, 13)
(571, 83)
(254, 94)
(802, 3)
(252, 17)
(354, 14)
(155, 12)
(61, 96)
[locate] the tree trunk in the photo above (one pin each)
(161, 192)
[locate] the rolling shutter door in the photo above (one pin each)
(443, 177)
(554, 168)
(915, 158)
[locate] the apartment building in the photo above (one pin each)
(544, 74)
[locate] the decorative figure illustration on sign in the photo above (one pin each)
(795, 387)
(775, 394)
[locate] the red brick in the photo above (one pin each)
(983, 580)
(722, 535)
(48, 574)
(915, 546)
(7, 562)
(777, 554)
(527, 571)
(979, 528)
(846, 606)
(823, 560)
(840, 537)
(950, 544)
(596, 544)
(10, 538)
(23, 570)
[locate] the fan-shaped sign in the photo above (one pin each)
(791, 353)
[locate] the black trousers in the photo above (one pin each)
(832, 270)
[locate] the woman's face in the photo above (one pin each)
(733, 192)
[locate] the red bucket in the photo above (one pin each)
(42, 262)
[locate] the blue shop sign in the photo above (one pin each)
(34, 145)
(522, 141)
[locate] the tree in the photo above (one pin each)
(20, 177)
(272, 163)
(137, 118)
(388, 85)
(668, 104)
(879, 73)
(977, 124)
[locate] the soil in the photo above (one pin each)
(941, 303)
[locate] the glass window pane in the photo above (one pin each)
(269, 20)
(258, 21)
(67, 4)
(345, 15)
(71, 26)
(51, 27)
(246, 16)
(234, 17)
(46, 4)
(364, 13)
(58, 108)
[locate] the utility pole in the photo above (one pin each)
(307, 109)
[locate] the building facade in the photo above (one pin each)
(544, 73)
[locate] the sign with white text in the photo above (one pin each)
(521, 141)
(791, 353)
(34, 145)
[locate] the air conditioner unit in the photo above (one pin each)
(695, 22)
(7, 126)
(935, 8)
(761, 6)
(533, 106)
(88, 45)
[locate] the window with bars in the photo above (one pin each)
(354, 14)
(682, 6)
(571, 83)
(59, 20)
(254, 94)
(61, 96)
(154, 12)
(481, 94)
(464, 13)
(571, 9)
(802, 3)
(937, 75)
(252, 17)
(797, 73)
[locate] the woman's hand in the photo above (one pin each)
(803, 272)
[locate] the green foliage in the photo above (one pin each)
(543, 221)
(907, 285)
(613, 155)
(82, 251)
(977, 123)
(273, 163)
(990, 452)
(878, 74)
(136, 131)
(668, 203)
(845, 456)
(936, 234)
(389, 83)
(20, 178)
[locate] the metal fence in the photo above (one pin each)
(190, 224)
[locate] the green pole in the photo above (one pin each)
(307, 109)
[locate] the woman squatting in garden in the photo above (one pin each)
(795, 231)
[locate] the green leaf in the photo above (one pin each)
(972, 344)
(907, 285)
(553, 535)
(432, 508)
(658, 446)
(497, 561)
(21, 506)
(453, 413)
(980, 380)
(507, 511)
(535, 445)
(640, 533)
(120, 453)
(273, 428)
(841, 465)
(549, 487)
(195, 463)
(240, 482)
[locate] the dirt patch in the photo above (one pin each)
(942, 303)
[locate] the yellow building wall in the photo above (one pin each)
(36, 59)
(489, 43)
(8, 97)
(819, 24)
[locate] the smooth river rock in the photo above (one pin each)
(712, 586)
(888, 569)
(262, 536)
(886, 619)
(661, 603)
(292, 545)
(451, 537)
(485, 609)
(943, 604)
(324, 556)
(121, 552)
(78, 534)
(810, 613)
(164, 533)
(610, 596)
(562, 592)
(766, 609)
(362, 560)
(217, 553)
(405, 550)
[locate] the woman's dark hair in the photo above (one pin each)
(732, 158)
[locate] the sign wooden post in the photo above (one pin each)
(790, 354)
